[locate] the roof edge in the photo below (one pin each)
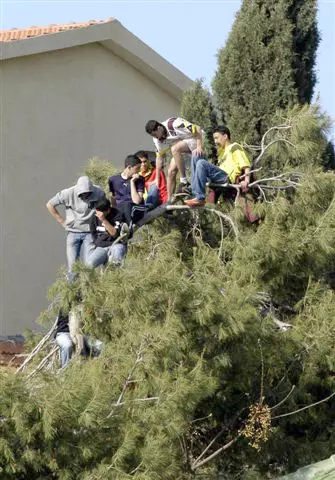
(115, 37)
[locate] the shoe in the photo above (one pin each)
(184, 188)
(195, 202)
(124, 231)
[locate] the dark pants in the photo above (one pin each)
(131, 211)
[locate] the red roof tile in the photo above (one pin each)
(23, 33)
(11, 353)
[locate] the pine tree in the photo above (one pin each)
(267, 64)
(197, 107)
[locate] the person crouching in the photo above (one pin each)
(105, 228)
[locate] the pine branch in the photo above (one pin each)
(128, 380)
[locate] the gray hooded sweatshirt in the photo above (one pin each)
(78, 211)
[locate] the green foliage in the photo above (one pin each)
(197, 107)
(268, 63)
(186, 328)
(99, 171)
(301, 145)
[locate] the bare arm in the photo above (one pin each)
(246, 179)
(55, 213)
(108, 226)
(199, 138)
(159, 166)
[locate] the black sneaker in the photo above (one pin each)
(184, 188)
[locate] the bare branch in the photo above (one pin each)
(304, 408)
(41, 344)
(208, 447)
(284, 399)
(226, 218)
(148, 399)
(215, 454)
(44, 361)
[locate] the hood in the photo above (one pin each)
(84, 185)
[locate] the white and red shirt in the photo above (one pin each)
(177, 129)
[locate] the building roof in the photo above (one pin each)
(23, 33)
(11, 350)
(109, 33)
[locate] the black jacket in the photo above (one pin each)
(101, 237)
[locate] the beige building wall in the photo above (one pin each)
(57, 110)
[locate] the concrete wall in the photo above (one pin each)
(58, 109)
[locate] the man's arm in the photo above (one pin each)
(199, 139)
(112, 192)
(55, 213)
(244, 163)
(136, 196)
(108, 226)
(159, 167)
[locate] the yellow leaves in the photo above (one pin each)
(258, 425)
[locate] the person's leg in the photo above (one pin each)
(87, 247)
(64, 341)
(201, 171)
(178, 150)
(171, 178)
(97, 257)
(116, 253)
(126, 208)
(153, 196)
(73, 246)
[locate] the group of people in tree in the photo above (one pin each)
(98, 228)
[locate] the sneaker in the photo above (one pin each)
(124, 231)
(195, 202)
(184, 188)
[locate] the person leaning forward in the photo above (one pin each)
(181, 137)
(79, 202)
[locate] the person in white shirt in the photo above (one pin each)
(181, 137)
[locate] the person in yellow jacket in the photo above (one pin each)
(232, 162)
(231, 157)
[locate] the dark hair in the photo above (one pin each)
(103, 205)
(131, 161)
(142, 154)
(222, 129)
(151, 126)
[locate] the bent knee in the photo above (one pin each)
(178, 147)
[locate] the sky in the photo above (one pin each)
(187, 33)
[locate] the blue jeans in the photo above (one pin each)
(153, 196)
(202, 171)
(101, 255)
(77, 246)
(64, 341)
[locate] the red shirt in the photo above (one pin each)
(151, 178)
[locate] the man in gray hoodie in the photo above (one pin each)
(79, 202)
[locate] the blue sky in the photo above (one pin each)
(187, 33)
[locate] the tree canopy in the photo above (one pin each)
(268, 63)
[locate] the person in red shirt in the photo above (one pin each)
(154, 196)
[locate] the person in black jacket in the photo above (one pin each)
(105, 228)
